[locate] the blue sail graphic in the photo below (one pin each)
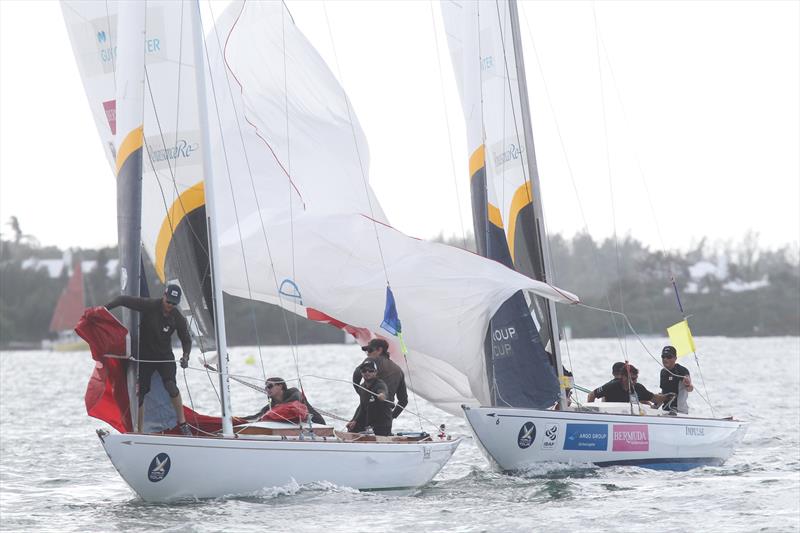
(519, 369)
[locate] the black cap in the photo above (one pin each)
(376, 343)
(368, 364)
(173, 294)
(669, 351)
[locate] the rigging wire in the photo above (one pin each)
(570, 172)
(623, 343)
(295, 318)
(355, 144)
(447, 124)
(228, 73)
(365, 184)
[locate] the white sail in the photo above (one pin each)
(482, 52)
(335, 245)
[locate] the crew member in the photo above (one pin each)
(159, 319)
(388, 371)
(675, 379)
(619, 390)
(373, 409)
(278, 393)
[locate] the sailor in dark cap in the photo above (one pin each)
(373, 409)
(159, 319)
(388, 371)
(675, 379)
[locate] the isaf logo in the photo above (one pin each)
(159, 467)
(550, 437)
(526, 436)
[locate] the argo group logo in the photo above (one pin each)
(159, 467)
(526, 436)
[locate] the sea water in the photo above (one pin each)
(55, 476)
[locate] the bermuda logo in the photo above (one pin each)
(159, 467)
(527, 434)
(550, 437)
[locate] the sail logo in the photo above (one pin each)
(177, 154)
(526, 436)
(159, 467)
(501, 342)
(550, 437)
(110, 109)
(631, 438)
(586, 437)
(98, 45)
(509, 154)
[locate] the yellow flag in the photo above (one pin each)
(680, 336)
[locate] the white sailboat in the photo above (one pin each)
(515, 424)
(292, 221)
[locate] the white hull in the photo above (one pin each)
(209, 467)
(603, 438)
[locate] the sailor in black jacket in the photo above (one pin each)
(159, 319)
(373, 409)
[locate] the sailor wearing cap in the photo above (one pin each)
(159, 319)
(373, 409)
(675, 379)
(388, 371)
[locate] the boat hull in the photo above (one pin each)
(517, 439)
(172, 467)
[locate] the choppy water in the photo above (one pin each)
(54, 475)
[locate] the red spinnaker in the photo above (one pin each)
(107, 393)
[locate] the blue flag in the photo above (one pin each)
(391, 322)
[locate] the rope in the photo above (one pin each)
(447, 123)
(641, 342)
(595, 257)
(228, 74)
(411, 386)
(355, 143)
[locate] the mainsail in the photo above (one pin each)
(173, 220)
(520, 367)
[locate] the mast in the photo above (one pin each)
(213, 230)
(536, 191)
(128, 144)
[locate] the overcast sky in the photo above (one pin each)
(701, 103)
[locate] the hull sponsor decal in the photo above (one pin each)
(159, 467)
(550, 437)
(586, 437)
(526, 436)
(631, 438)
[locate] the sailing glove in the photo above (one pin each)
(185, 361)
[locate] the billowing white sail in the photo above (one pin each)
(334, 248)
